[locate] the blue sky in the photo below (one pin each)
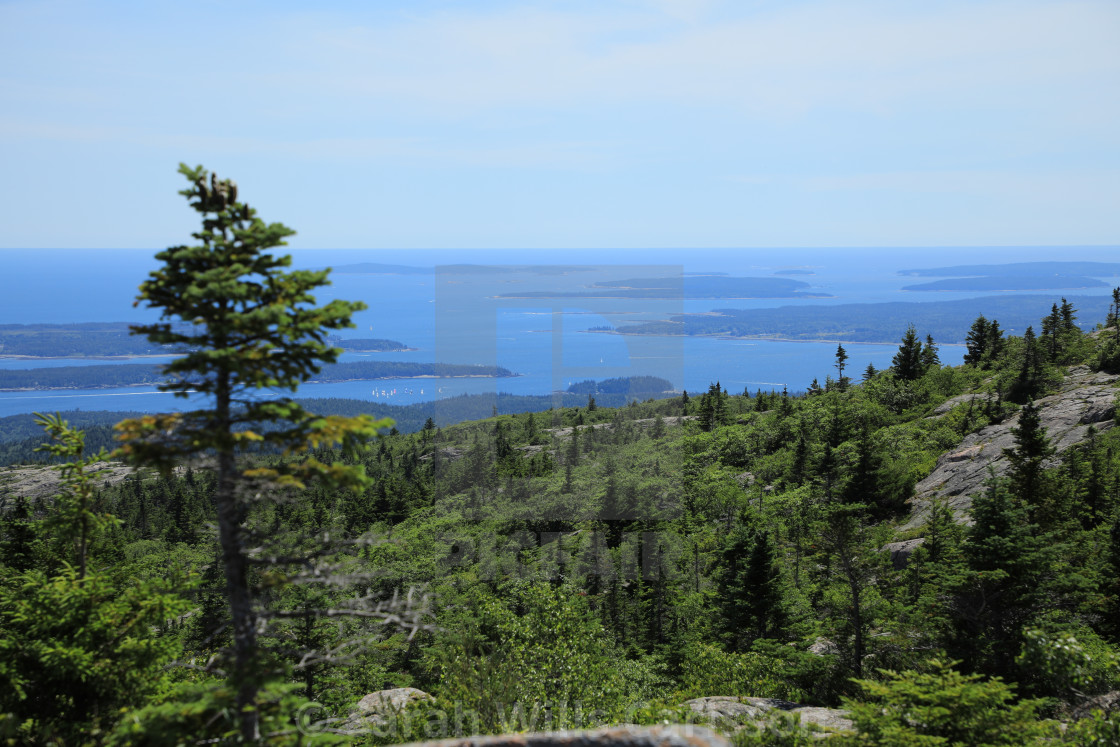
(614, 123)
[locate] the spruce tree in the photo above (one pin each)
(243, 323)
(17, 537)
(907, 362)
(977, 342)
(841, 361)
(1005, 585)
(1031, 379)
(750, 588)
(1050, 339)
(995, 341)
(930, 357)
(1027, 476)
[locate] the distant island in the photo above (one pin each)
(947, 321)
(86, 340)
(1015, 276)
(690, 287)
(114, 340)
(135, 374)
(1009, 283)
(795, 272)
(641, 387)
(1022, 269)
(371, 345)
(377, 268)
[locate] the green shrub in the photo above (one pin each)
(942, 707)
(709, 670)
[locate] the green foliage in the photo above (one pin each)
(543, 647)
(709, 670)
(941, 706)
(1060, 664)
(751, 588)
(1028, 481)
(909, 362)
(1098, 730)
(73, 650)
(75, 519)
(253, 325)
(207, 712)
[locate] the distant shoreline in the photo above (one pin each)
(87, 357)
(758, 338)
(656, 298)
(309, 381)
(17, 356)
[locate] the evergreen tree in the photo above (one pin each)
(76, 517)
(1028, 480)
(800, 460)
(977, 342)
(1050, 339)
(573, 447)
(907, 362)
(995, 341)
(244, 323)
(78, 647)
(17, 537)
(841, 361)
(1004, 588)
(849, 567)
(530, 427)
(930, 357)
(750, 588)
(1110, 584)
(1032, 376)
(940, 706)
(864, 485)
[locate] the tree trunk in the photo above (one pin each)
(230, 518)
(857, 620)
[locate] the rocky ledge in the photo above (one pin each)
(1085, 399)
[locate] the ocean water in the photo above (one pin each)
(457, 318)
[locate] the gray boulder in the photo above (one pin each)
(901, 551)
(731, 712)
(1106, 702)
(378, 707)
(619, 736)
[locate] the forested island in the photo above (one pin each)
(947, 321)
(1022, 269)
(1009, 283)
(115, 340)
(376, 268)
(370, 345)
(134, 374)
(683, 287)
(86, 340)
(1016, 276)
